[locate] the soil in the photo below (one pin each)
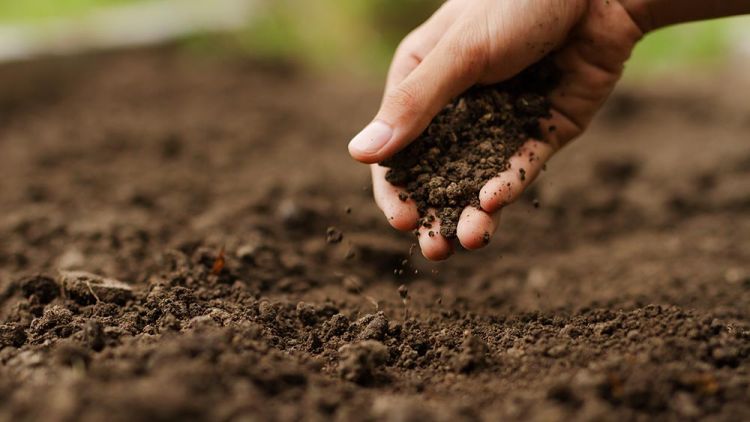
(165, 255)
(469, 143)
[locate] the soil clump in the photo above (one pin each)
(469, 142)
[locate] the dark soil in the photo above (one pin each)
(469, 143)
(165, 255)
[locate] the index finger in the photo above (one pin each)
(415, 46)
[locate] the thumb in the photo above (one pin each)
(448, 70)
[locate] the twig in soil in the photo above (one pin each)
(91, 290)
(219, 263)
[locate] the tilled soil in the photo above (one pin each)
(185, 238)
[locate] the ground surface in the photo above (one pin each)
(625, 294)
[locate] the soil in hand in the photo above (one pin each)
(469, 143)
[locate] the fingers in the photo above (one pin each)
(408, 107)
(434, 246)
(415, 46)
(582, 90)
(402, 215)
(487, 43)
(525, 166)
(476, 227)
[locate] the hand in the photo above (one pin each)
(468, 42)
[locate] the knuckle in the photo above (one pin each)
(404, 100)
(470, 49)
(410, 42)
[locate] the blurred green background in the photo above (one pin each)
(361, 34)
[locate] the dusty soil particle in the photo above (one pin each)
(469, 143)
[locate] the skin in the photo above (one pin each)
(469, 42)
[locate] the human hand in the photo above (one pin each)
(484, 42)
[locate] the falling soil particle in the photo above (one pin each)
(403, 291)
(469, 143)
(334, 235)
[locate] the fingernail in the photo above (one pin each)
(372, 138)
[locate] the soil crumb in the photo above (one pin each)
(360, 362)
(334, 235)
(473, 353)
(469, 143)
